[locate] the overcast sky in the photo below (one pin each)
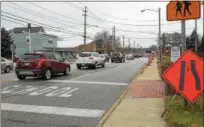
(125, 16)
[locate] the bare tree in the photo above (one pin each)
(106, 42)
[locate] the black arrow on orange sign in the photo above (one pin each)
(194, 72)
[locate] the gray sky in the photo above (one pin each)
(117, 12)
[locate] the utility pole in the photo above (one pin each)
(85, 14)
(113, 39)
(137, 47)
(196, 42)
(129, 44)
(29, 31)
(134, 46)
(123, 43)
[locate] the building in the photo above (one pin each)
(95, 46)
(62, 51)
(39, 39)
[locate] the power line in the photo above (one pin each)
(71, 32)
(125, 18)
(73, 5)
(40, 15)
(13, 21)
(127, 24)
(65, 16)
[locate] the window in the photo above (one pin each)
(31, 56)
(84, 54)
(58, 57)
(50, 41)
(50, 56)
(95, 54)
(2, 60)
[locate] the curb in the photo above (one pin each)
(117, 102)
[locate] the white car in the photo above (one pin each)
(89, 59)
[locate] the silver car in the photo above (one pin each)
(6, 65)
(130, 57)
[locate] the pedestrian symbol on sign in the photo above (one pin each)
(186, 7)
(179, 6)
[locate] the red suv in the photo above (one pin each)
(40, 64)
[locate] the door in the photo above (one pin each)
(60, 63)
(53, 63)
(3, 64)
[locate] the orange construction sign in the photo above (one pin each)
(186, 76)
(183, 10)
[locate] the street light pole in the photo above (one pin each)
(159, 33)
(159, 41)
(85, 25)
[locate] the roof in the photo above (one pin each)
(33, 30)
(61, 49)
(97, 42)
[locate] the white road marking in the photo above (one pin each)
(52, 110)
(57, 92)
(42, 91)
(30, 90)
(89, 82)
(10, 89)
(67, 94)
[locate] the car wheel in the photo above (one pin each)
(112, 61)
(21, 77)
(48, 74)
(67, 71)
(103, 65)
(95, 66)
(78, 67)
(7, 69)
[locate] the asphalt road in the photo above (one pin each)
(78, 100)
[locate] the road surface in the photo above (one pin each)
(78, 100)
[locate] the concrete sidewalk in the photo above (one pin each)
(142, 104)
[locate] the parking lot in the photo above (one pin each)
(77, 100)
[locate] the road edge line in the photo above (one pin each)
(106, 115)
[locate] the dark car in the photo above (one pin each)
(136, 55)
(118, 57)
(40, 65)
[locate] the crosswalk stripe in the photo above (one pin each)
(88, 82)
(52, 110)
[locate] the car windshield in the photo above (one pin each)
(116, 54)
(84, 54)
(31, 56)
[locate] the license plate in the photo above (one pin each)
(82, 64)
(26, 64)
(26, 72)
